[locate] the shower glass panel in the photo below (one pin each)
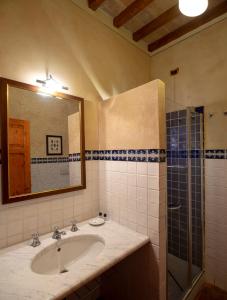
(197, 192)
(185, 200)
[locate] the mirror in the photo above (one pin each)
(42, 142)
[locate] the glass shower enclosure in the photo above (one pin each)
(185, 200)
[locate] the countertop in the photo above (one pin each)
(18, 281)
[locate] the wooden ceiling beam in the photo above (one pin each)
(133, 9)
(158, 22)
(190, 26)
(94, 4)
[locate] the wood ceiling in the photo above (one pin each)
(156, 22)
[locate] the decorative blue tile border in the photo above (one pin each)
(74, 157)
(216, 154)
(136, 155)
(58, 159)
(140, 155)
(206, 154)
(49, 160)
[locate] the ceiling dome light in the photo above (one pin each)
(193, 8)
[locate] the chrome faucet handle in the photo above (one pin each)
(74, 227)
(35, 235)
(57, 233)
(35, 240)
(56, 228)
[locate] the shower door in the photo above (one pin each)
(185, 200)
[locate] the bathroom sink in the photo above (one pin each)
(60, 256)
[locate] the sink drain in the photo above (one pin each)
(62, 268)
(64, 271)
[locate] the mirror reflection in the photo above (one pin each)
(43, 142)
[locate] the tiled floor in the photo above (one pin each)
(179, 268)
(211, 293)
(178, 284)
(174, 292)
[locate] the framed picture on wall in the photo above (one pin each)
(54, 145)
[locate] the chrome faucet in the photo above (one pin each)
(57, 233)
(74, 227)
(35, 240)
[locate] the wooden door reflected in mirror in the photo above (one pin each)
(19, 157)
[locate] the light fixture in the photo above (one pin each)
(193, 8)
(50, 86)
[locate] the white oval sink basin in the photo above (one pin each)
(58, 257)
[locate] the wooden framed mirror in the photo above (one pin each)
(42, 142)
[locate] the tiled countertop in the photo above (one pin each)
(17, 281)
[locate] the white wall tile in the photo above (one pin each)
(141, 181)
(132, 226)
(68, 213)
(153, 182)
(14, 239)
(15, 228)
(30, 224)
(141, 194)
(44, 208)
(131, 168)
(14, 214)
(3, 217)
(132, 204)
(154, 236)
(153, 223)
(153, 169)
(3, 231)
(142, 208)
(56, 204)
(141, 168)
(153, 209)
(141, 229)
(132, 194)
(122, 166)
(44, 221)
(132, 215)
(216, 224)
(132, 179)
(153, 196)
(19, 220)
(30, 211)
(3, 243)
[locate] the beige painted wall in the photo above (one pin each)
(134, 119)
(46, 116)
(203, 67)
(202, 77)
(77, 49)
(216, 125)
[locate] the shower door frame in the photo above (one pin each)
(192, 281)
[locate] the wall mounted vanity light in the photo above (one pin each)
(49, 86)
